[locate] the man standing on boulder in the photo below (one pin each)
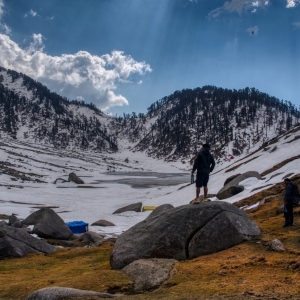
(204, 164)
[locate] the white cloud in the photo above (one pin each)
(1, 8)
(292, 3)
(31, 13)
(238, 6)
(253, 30)
(76, 75)
(3, 26)
(296, 25)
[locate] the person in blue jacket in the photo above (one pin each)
(204, 164)
(288, 203)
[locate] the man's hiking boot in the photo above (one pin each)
(196, 201)
(204, 200)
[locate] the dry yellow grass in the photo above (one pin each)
(246, 271)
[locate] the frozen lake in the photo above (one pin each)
(141, 180)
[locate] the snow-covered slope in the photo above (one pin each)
(118, 179)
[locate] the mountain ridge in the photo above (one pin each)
(234, 122)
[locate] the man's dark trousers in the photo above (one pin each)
(289, 214)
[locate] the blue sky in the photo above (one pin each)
(123, 55)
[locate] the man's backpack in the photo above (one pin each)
(295, 194)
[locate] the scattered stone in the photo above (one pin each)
(91, 238)
(48, 224)
(73, 177)
(277, 246)
(60, 293)
(137, 207)
(184, 232)
(149, 274)
(16, 242)
(103, 223)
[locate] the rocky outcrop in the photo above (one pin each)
(103, 223)
(233, 188)
(137, 207)
(60, 293)
(149, 274)
(184, 232)
(16, 242)
(73, 177)
(47, 224)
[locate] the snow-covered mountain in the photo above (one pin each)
(233, 122)
(30, 112)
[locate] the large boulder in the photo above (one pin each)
(137, 207)
(184, 232)
(48, 224)
(16, 242)
(73, 177)
(149, 274)
(61, 293)
(232, 187)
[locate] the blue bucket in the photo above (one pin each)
(78, 226)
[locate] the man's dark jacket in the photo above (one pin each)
(204, 163)
(289, 195)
